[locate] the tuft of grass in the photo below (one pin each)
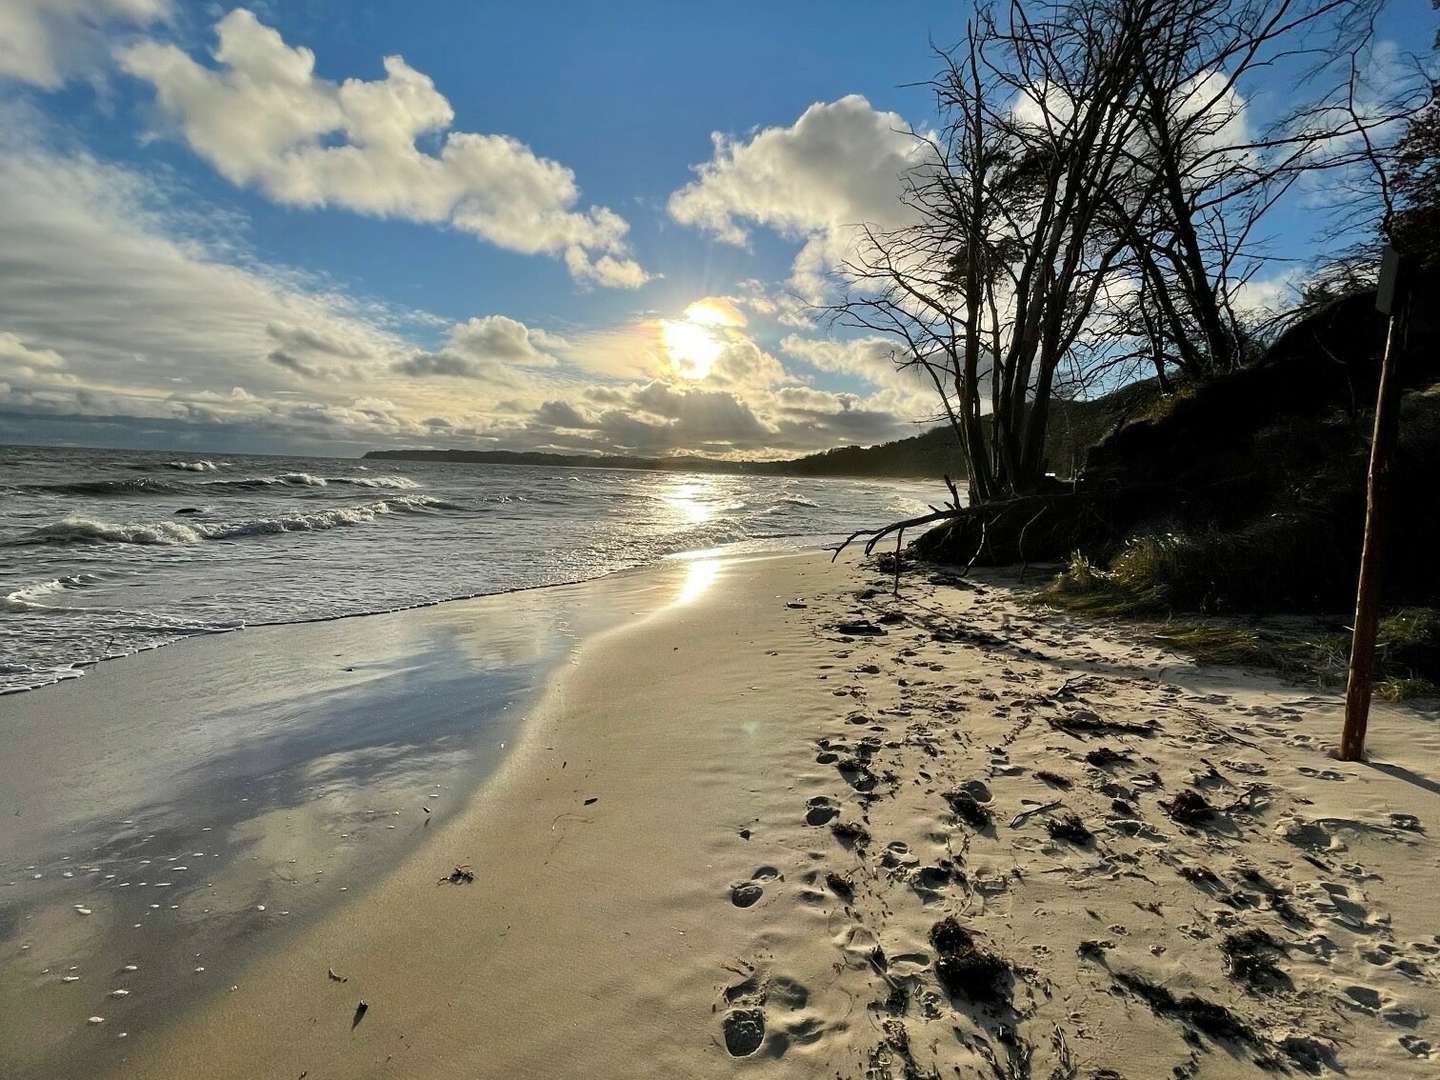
(1320, 657)
(1085, 587)
(1410, 640)
(1406, 689)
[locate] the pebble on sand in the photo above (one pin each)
(96, 1020)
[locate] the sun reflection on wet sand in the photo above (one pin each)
(699, 576)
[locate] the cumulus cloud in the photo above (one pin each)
(116, 314)
(46, 42)
(263, 118)
(561, 414)
(841, 164)
(502, 338)
(485, 348)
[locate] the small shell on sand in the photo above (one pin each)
(131, 967)
(198, 970)
(82, 910)
(69, 978)
(96, 1020)
(119, 993)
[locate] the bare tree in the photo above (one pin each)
(998, 277)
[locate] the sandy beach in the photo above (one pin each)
(780, 821)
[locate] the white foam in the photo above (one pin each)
(88, 530)
(401, 483)
(28, 598)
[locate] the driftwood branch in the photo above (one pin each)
(876, 535)
(1024, 562)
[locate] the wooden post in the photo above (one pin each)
(1392, 300)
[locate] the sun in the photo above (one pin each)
(691, 347)
(694, 343)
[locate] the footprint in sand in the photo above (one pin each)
(897, 853)
(744, 1031)
(745, 894)
(1416, 1046)
(745, 1025)
(1363, 998)
(929, 883)
(1323, 774)
(1338, 905)
(821, 810)
(1250, 768)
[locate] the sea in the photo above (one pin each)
(104, 553)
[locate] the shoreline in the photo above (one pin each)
(722, 838)
(272, 777)
(83, 667)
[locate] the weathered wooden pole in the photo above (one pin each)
(1391, 300)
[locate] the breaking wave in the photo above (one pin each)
(150, 485)
(82, 530)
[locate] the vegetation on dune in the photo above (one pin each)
(1099, 230)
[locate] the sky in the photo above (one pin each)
(302, 227)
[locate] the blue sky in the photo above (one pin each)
(519, 235)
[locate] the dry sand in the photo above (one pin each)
(660, 884)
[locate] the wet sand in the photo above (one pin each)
(174, 814)
(793, 826)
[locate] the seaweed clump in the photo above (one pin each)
(1214, 1020)
(1249, 958)
(1189, 807)
(963, 967)
(969, 809)
(1070, 828)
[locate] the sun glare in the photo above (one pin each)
(692, 347)
(695, 342)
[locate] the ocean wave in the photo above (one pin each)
(140, 485)
(401, 483)
(712, 534)
(81, 530)
(29, 597)
(192, 466)
(150, 485)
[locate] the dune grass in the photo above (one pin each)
(1145, 581)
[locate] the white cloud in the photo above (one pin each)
(488, 348)
(841, 164)
(1258, 297)
(113, 310)
(263, 117)
(46, 42)
(98, 270)
(868, 358)
(502, 338)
